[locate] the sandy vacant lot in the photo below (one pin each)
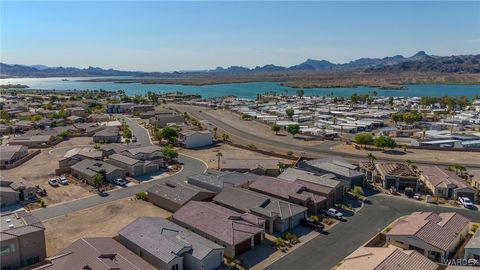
(42, 167)
(208, 155)
(416, 154)
(103, 221)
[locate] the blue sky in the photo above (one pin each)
(166, 36)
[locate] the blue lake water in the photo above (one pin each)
(244, 90)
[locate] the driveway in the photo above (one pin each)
(190, 166)
(325, 251)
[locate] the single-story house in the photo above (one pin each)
(107, 135)
(99, 253)
(78, 111)
(338, 166)
(268, 167)
(291, 192)
(379, 258)
(119, 107)
(134, 167)
(195, 138)
(151, 153)
(10, 155)
(161, 120)
(167, 245)
(36, 141)
(279, 215)
(138, 108)
(446, 184)
(325, 185)
(397, 175)
(78, 154)
(88, 168)
(436, 236)
(215, 180)
(171, 195)
(236, 232)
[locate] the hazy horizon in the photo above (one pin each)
(166, 36)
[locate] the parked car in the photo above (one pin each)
(63, 180)
(120, 182)
(315, 225)
(333, 213)
(40, 191)
(53, 182)
(417, 196)
(134, 139)
(102, 193)
(409, 192)
(466, 202)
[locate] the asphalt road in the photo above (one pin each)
(190, 166)
(319, 151)
(324, 251)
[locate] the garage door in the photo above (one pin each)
(242, 247)
(258, 238)
(469, 195)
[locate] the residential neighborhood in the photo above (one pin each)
(204, 195)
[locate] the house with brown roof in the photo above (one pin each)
(95, 253)
(292, 192)
(396, 175)
(383, 258)
(35, 141)
(87, 169)
(134, 167)
(326, 185)
(77, 154)
(257, 166)
(167, 245)
(22, 240)
(107, 135)
(436, 236)
(446, 184)
(342, 169)
(236, 232)
(279, 215)
(171, 195)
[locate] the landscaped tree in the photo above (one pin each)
(168, 133)
(215, 132)
(218, 155)
(396, 117)
(357, 191)
(225, 137)
(384, 141)
(169, 152)
(97, 180)
(4, 115)
(363, 138)
(290, 112)
(293, 129)
(275, 128)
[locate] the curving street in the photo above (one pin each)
(322, 150)
(324, 251)
(190, 166)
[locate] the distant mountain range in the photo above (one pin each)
(420, 62)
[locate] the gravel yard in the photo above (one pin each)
(42, 167)
(103, 221)
(208, 155)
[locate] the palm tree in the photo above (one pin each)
(215, 132)
(225, 137)
(219, 155)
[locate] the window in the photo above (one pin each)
(6, 267)
(4, 250)
(175, 267)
